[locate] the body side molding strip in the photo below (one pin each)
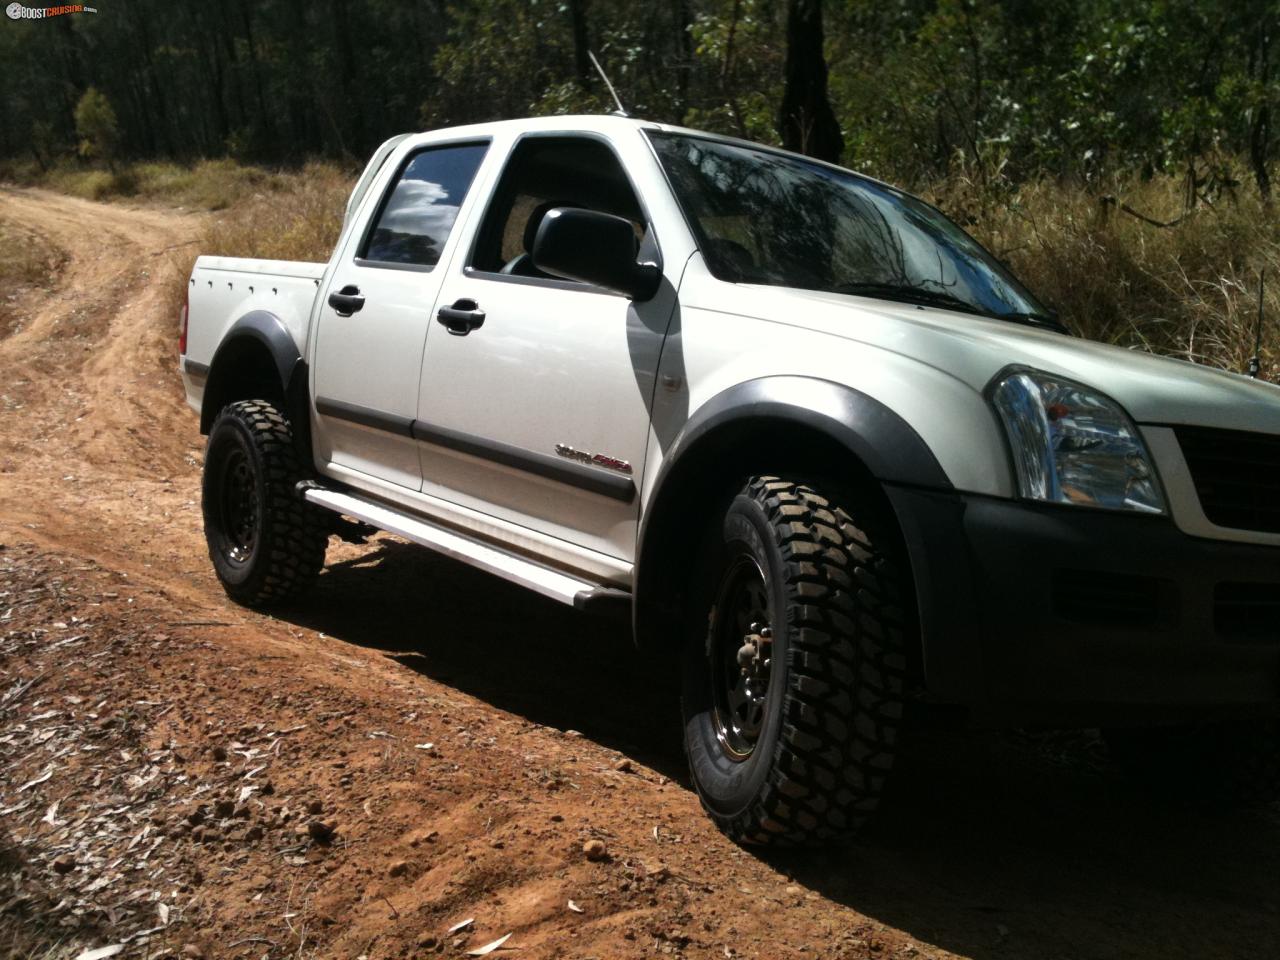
(594, 479)
(574, 474)
(365, 416)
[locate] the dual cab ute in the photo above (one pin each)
(831, 456)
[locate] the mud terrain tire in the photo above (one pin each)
(267, 544)
(797, 752)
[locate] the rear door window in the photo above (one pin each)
(416, 214)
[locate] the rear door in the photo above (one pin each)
(539, 413)
(376, 310)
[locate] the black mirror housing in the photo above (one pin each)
(596, 248)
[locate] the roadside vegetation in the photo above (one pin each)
(1094, 252)
(1117, 153)
(1128, 260)
(203, 184)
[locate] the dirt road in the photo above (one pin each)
(420, 745)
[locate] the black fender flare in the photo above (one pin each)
(265, 328)
(882, 441)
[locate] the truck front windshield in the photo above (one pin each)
(767, 217)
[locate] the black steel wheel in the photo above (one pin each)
(238, 506)
(741, 638)
(266, 543)
(793, 679)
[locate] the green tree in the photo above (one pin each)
(97, 127)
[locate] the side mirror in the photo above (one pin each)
(596, 248)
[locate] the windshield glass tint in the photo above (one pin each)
(769, 218)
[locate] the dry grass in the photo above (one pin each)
(25, 258)
(298, 220)
(207, 185)
(1189, 290)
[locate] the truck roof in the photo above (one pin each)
(610, 122)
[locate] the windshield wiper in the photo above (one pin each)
(1047, 321)
(937, 298)
(919, 295)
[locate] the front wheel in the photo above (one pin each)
(266, 542)
(793, 694)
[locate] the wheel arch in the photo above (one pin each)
(788, 424)
(259, 359)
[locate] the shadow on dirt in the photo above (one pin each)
(997, 846)
(502, 644)
(1002, 846)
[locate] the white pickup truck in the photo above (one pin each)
(827, 451)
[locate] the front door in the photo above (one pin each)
(376, 310)
(535, 400)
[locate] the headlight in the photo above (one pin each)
(1073, 445)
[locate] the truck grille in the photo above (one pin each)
(1247, 611)
(1236, 475)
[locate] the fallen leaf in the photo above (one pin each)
(574, 907)
(163, 910)
(102, 952)
(38, 780)
(424, 746)
(461, 925)
(488, 948)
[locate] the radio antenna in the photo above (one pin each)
(621, 111)
(1255, 362)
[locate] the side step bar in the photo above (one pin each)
(564, 587)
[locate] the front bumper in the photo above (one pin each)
(1033, 613)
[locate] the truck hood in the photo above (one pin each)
(1156, 390)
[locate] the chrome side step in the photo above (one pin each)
(555, 584)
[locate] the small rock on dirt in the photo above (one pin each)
(224, 809)
(623, 765)
(315, 808)
(321, 830)
(399, 868)
(219, 754)
(64, 864)
(595, 850)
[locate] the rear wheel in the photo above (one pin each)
(792, 694)
(1203, 763)
(267, 544)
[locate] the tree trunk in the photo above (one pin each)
(684, 43)
(1260, 127)
(581, 43)
(806, 122)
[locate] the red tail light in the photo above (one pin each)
(182, 322)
